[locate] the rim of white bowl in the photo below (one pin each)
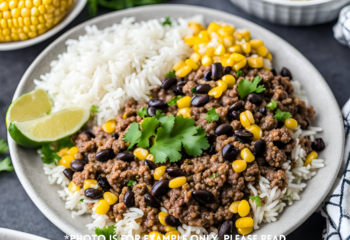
(298, 3)
(77, 7)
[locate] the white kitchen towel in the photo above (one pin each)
(341, 30)
(336, 209)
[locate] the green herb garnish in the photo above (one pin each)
(193, 90)
(94, 109)
(167, 21)
(170, 74)
(48, 155)
(272, 105)
(239, 73)
(212, 116)
(142, 112)
(173, 101)
(281, 116)
(131, 183)
(4, 147)
(81, 200)
(150, 96)
(245, 87)
(215, 175)
(256, 199)
(6, 165)
(108, 232)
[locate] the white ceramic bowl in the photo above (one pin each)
(76, 8)
(295, 13)
(28, 165)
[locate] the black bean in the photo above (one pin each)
(172, 221)
(223, 129)
(151, 111)
(318, 144)
(157, 103)
(226, 229)
(129, 199)
(229, 152)
(305, 126)
(89, 134)
(210, 137)
(262, 110)
(243, 140)
(203, 88)
(286, 73)
(216, 71)
(181, 83)
(234, 115)
(203, 196)
(68, 173)
(93, 193)
(115, 136)
(152, 201)
(259, 147)
(104, 155)
(211, 150)
(227, 70)
(207, 76)
(236, 106)
(274, 72)
(255, 98)
(279, 144)
(125, 156)
(160, 188)
(260, 161)
(103, 182)
(280, 124)
(168, 82)
(177, 90)
(175, 172)
(243, 134)
(77, 165)
(150, 164)
(199, 100)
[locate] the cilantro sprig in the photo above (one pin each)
(166, 21)
(107, 232)
(170, 74)
(246, 87)
(281, 116)
(256, 199)
(193, 90)
(173, 101)
(48, 151)
(4, 147)
(131, 183)
(272, 105)
(94, 109)
(142, 112)
(214, 175)
(6, 165)
(239, 73)
(212, 116)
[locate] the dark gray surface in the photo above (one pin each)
(18, 212)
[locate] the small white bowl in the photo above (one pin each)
(294, 13)
(76, 8)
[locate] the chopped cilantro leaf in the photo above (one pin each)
(170, 74)
(256, 199)
(142, 112)
(6, 165)
(133, 135)
(64, 143)
(107, 232)
(272, 105)
(245, 87)
(149, 126)
(131, 183)
(212, 116)
(193, 90)
(48, 155)
(81, 200)
(239, 73)
(173, 101)
(167, 21)
(281, 116)
(214, 175)
(94, 109)
(150, 96)
(4, 147)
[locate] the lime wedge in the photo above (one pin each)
(29, 106)
(50, 128)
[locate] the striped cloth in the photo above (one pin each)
(336, 209)
(341, 30)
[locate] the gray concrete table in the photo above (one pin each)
(18, 212)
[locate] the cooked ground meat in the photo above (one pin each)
(209, 172)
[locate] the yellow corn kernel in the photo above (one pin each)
(154, 235)
(229, 80)
(256, 43)
(203, 40)
(246, 118)
(256, 62)
(102, 207)
(221, 84)
(247, 155)
(62, 152)
(256, 130)
(246, 48)
(125, 116)
(90, 183)
(220, 50)
(111, 198)
(177, 182)
(192, 64)
(246, 34)
(207, 60)
(244, 222)
(245, 231)
(228, 41)
(195, 57)
(238, 36)
(195, 27)
(141, 153)
(196, 48)
(109, 126)
(184, 71)
(234, 207)
(213, 27)
(243, 208)
(184, 102)
(226, 31)
(290, 123)
(73, 150)
(227, 62)
(66, 160)
(185, 112)
(227, 55)
(237, 57)
(204, 34)
(216, 59)
(159, 172)
(179, 65)
(310, 157)
(239, 65)
(72, 187)
(210, 51)
(262, 51)
(215, 92)
(161, 217)
(235, 49)
(239, 165)
(191, 41)
(168, 228)
(150, 157)
(173, 235)
(269, 56)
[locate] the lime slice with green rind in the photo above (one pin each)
(49, 128)
(29, 106)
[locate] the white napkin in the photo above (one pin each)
(336, 209)
(341, 30)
